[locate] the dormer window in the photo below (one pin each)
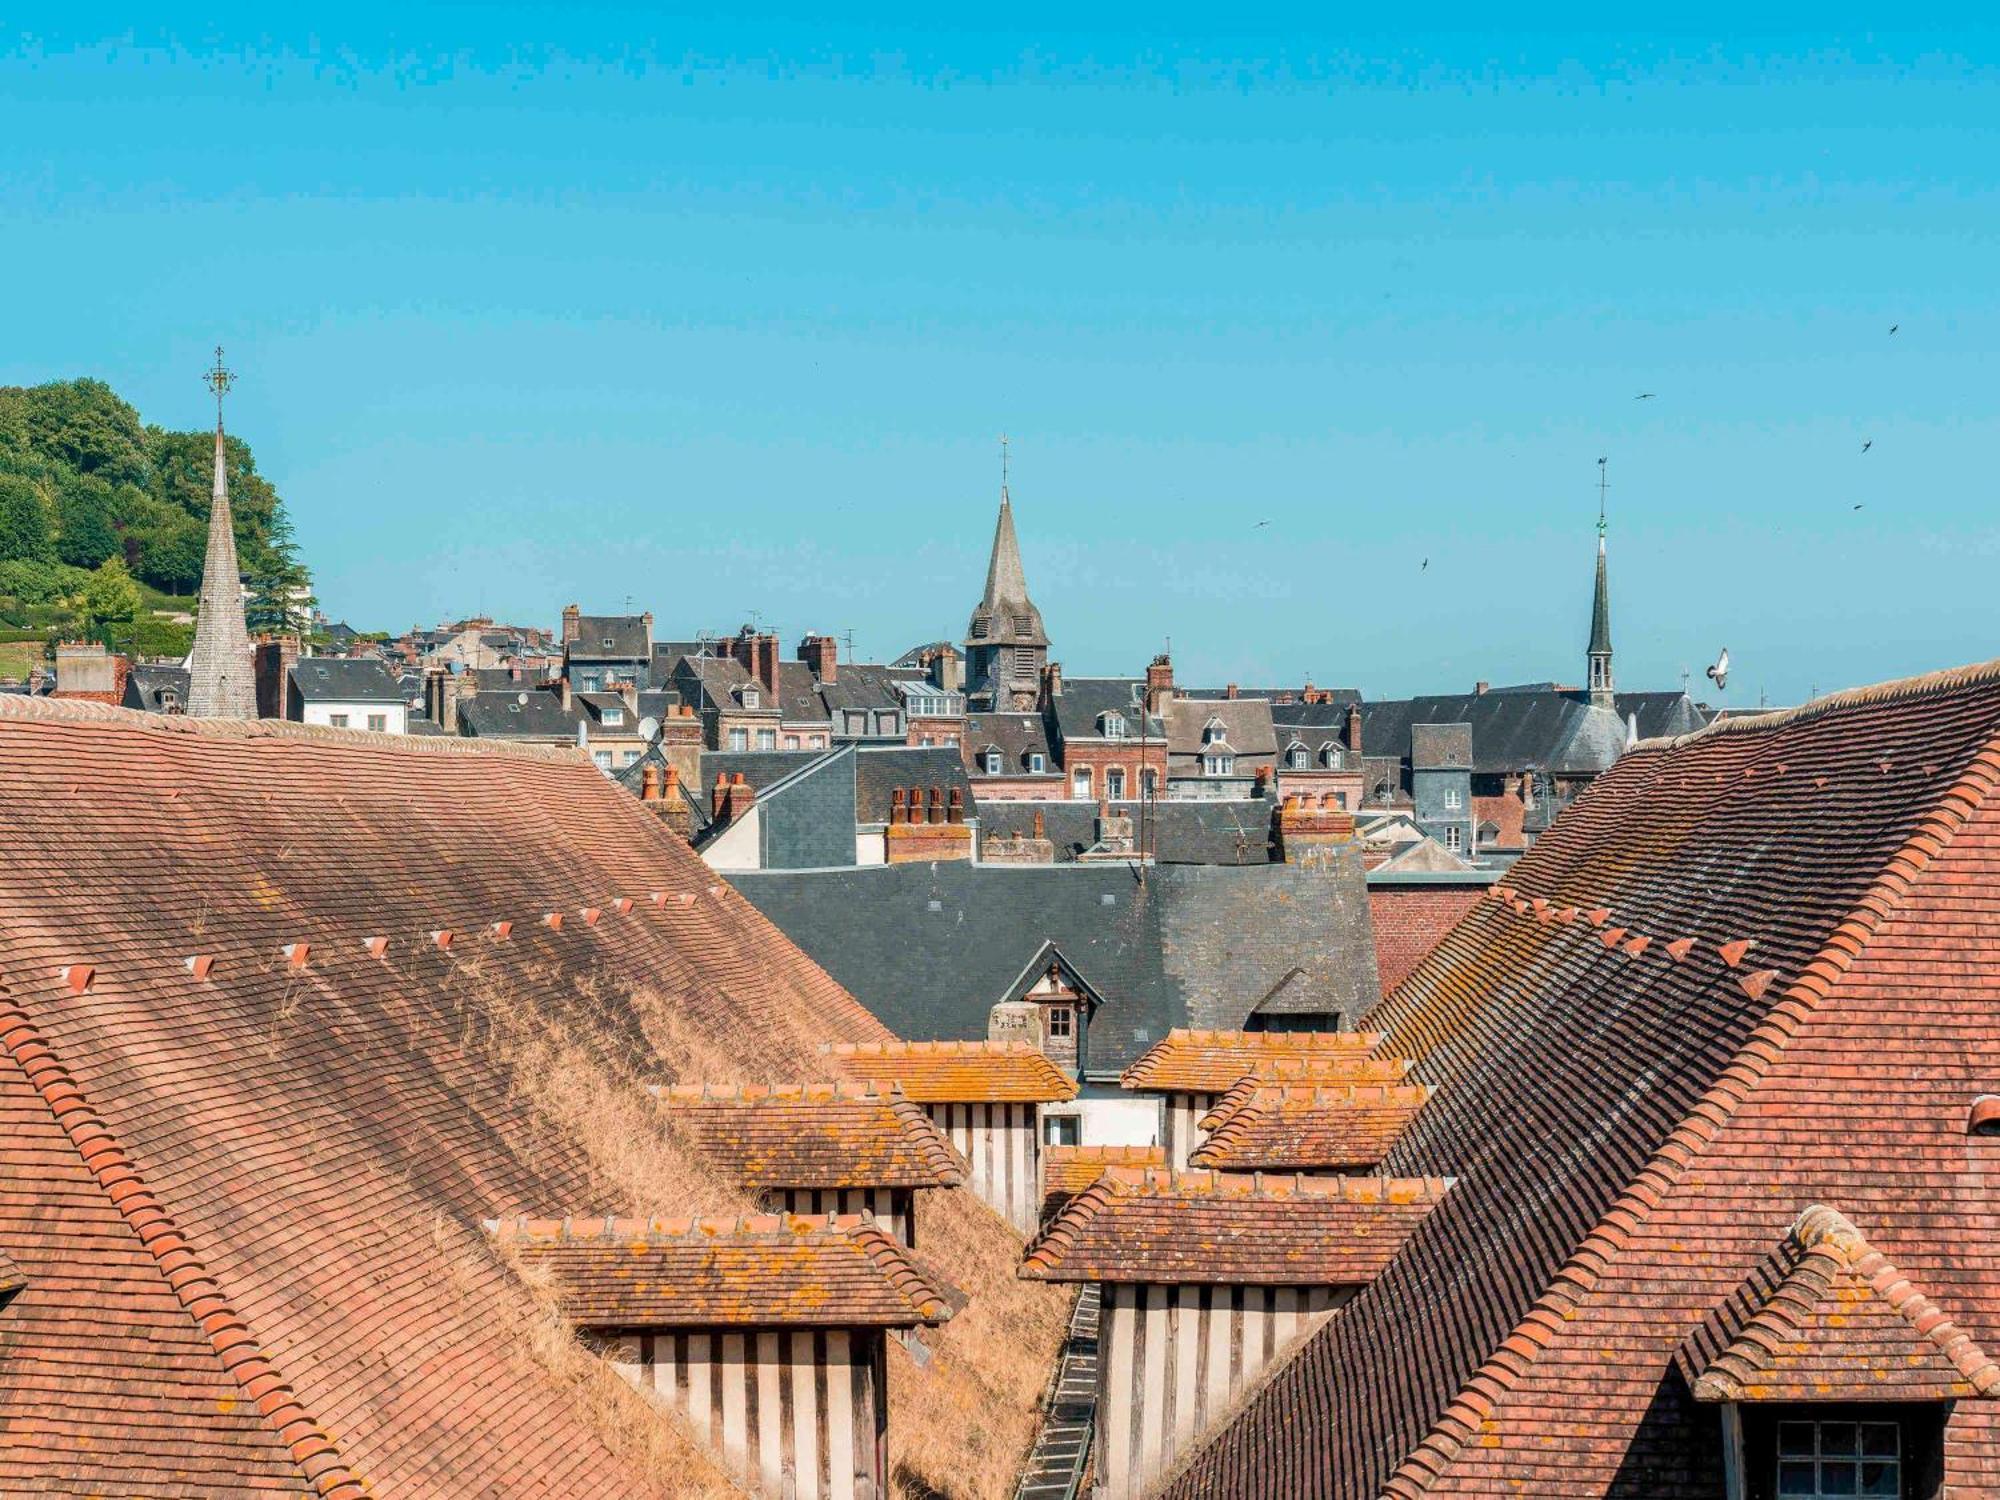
(1329, 756)
(607, 643)
(1111, 726)
(1038, 762)
(1212, 732)
(1218, 765)
(750, 697)
(1297, 758)
(992, 762)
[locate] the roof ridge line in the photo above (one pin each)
(200, 1295)
(1453, 1427)
(1890, 691)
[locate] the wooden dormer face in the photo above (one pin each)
(1065, 1004)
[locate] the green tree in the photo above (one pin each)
(24, 522)
(111, 601)
(83, 425)
(85, 535)
(170, 555)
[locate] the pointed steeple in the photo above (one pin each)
(1602, 691)
(222, 681)
(1006, 647)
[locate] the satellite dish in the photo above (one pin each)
(522, 699)
(649, 728)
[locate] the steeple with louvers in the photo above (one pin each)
(1005, 644)
(222, 681)
(1603, 692)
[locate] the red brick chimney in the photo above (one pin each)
(718, 797)
(572, 623)
(1479, 689)
(937, 803)
(764, 650)
(955, 811)
(1051, 683)
(1354, 730)
(899, 808)
(821, 656)
(1159, 683)
(1229, 691)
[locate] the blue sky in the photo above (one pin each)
(726, 316)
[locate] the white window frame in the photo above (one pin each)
(1037, 762)
(739, 739)
(1080, 784)
(1114, 783)
(992, 761)
(1112, 724)
(1298, 758)
(378, 723)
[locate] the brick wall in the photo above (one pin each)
(1410, 920)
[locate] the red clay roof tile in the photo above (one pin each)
(1208, 1062)
(957, 1072)
(1277, 1127)
(814, 1135)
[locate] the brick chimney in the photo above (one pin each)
(1229, 691)
(764, 653)
(899, 807)
(1308, 829)
(926, 830)
(821, 657)
(563, 694)
(670, 807)
(440, 701)
(572, 623)
(718, 797)
(1159, 683)
(946, 668)
(1480, 689)
(273, 658)
(647, 621)
(1051, 683)
(629, 692)
(1354, 731)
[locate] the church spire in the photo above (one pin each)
(221, 679)
(1006, 648)
(1602, 691)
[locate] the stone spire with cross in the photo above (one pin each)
(1006, 646)
(1603, 690)
(222, 682)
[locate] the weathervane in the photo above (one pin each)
(219, 380)
(1603, 484)
(1003, 464)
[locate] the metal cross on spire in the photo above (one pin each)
(1603, 484)
(1003, 465)
(219, 380)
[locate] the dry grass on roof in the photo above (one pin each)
(960, 1429)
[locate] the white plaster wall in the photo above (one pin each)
(357, 715)
(740, 846)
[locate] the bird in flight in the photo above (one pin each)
(1646, 396)
(1867, 445)
(1260, 523)
(1857, 507)
(1894, 326)
(1426, 567)
(1719, 673)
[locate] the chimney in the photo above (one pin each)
(1354, 731)
(440, 701)
(629, 692)
(821, 657)
(1229, 691)
(1159, 683)
(1051, 683)
(766, 669)
(572, 623)
(742, 796)
(649, 783)
(937, 803)
(273, 659)
(563, 693)
(1041, 832)
(647, 621)
(1479, 689)
(947, 669)
(718, 797)
(670, 784)
(899, 811)
(955, 812)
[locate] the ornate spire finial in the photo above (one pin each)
(219, 380)
(1003, 465)
(1603, 484)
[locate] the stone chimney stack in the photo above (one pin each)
(440, 702)
(1354, 732)
(273, 658)
(1159, 683)
(1051, 683)
(572, 623)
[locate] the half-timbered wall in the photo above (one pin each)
(1181, 1128)
(889, 1207)
(998, 1142)
(794, 1413)
(1172, 1358)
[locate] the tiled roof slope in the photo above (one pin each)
(1831, 1314)
(1068, 1170)
(1661, 962)
(1149, 1225)
(841, 1272)
(251, 967)
(830, 1135)
(1279, 1127)
(957, 1072)
(1188, 1060)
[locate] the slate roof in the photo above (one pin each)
(1746, 972)
(861, 685)
(626, 633)
(145, 683)
(1016, 735)
(1288, 702)
(879, 770)
(504, 715)
(813, 1135)
(241, 1169)
(1307, 1127)
(1530, 729)
(930, 949)
(1005, 613)
(1082, 702)
(763, 1271)
(1180, 832)
(956, 1072)
(799, 697)
(1247, 725)
(1193, 1060)
(1143, 1224)
(337, 679)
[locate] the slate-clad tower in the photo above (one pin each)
(1005, 645)
(222, 682)
(1602, 691)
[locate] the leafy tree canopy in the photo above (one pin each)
(108, 486)
(111, 600)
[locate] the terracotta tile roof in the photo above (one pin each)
(1305, 1072)
(1208, 1062)
(239, 1185)
(1150, 1225)
(1068, 1170)
(1278, 1127)
(764, 1271)
(1668, 1113)
(957, 1072)
(12, 1278)
(1832, 1319)
(814, 1135)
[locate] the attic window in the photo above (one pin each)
(1113, 725)
(749, 697)
(614, 716)
(933, 906)
(992, 762)
(1211, 732)
(1985, 1116)
(1297, 757)
(607, 643)
(1107, 899)
(1329, 756)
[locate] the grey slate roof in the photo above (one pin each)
(1246, 723)
(1005, 614)
(861, 685)
(760, 768)
(930, 948)
(1015, 735)
(1193, 832)
(1083, 700)
(145, 683)
(1278, 697)
(499, 716)
(626, 633)
(340, 679)
(879, 770)
(1531, 728)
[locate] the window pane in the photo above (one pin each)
(1881, 1477)
(1839, 1437)
(1795, 1439)
(1797, 1479)
(1878, 1439)
(1837, 1478)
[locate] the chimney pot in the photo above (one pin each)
(937, 803)
(955, 813)
(1041, 828)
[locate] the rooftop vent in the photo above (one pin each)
(1985, 1116)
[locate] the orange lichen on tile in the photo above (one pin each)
(814, 1135)
(1277, 1127)
(757, 1271)
(1209, 1062)
(1068, 1170)
(957, 1072)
